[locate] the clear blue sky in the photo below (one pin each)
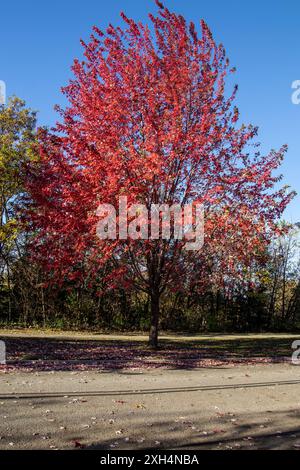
(39, 40)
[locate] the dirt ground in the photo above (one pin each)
(244, 407)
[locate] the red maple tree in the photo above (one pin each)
(148, 117)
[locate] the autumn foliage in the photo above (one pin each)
(148, 117)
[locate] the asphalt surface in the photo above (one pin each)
(244, 407)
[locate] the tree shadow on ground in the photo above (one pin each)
(251, 433)
(65, 354)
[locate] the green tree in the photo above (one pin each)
(17, 138)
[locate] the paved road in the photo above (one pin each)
(222, 408)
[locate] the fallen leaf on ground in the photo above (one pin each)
(78, 444)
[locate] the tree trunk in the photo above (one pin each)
(153, 335)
